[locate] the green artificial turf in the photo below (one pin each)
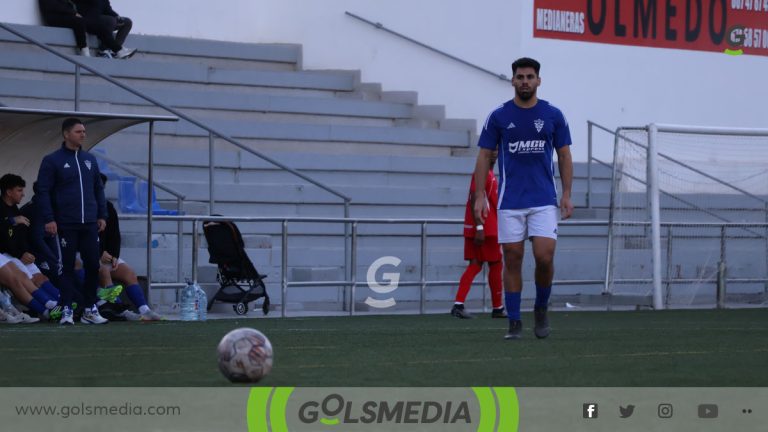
(667, 348)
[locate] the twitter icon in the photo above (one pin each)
(627, 411)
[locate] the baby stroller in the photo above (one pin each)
(239, 282)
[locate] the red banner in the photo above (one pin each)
(730, 26)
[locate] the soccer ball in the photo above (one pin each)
(245, 355)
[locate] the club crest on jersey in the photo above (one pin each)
(539, 124)
(88, 165)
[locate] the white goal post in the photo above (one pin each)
(688, 214)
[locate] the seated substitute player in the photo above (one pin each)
(526, 131)
(481, 245)
(114, 268)
(14, 247)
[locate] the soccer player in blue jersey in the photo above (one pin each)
(526, 131)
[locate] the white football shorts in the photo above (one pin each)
(28, 269)
(119, 261)
(520, 224)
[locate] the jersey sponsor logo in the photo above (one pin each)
(530, 146)
(511, 126)
(539, 124)
(66, 164)
(88, 165)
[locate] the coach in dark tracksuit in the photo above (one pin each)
(72, 204)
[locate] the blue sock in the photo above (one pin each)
(36, 306)
(136, 295)
(80, 275)
(542, 296)
(512, 302)
(51, 290)
(41, 296)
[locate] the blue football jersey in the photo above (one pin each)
(526, 139)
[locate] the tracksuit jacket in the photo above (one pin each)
(70, 191)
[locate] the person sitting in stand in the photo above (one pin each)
(63, 13)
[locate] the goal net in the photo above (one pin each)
(688, 217)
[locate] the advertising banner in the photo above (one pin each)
(726, 26)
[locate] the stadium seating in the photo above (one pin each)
(393, 157)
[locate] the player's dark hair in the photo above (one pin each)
(10, 181)
(68, 123)
(525, 62)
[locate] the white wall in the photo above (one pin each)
(610, 84)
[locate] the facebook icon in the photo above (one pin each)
(589, 410)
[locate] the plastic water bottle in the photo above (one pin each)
(188, 303)
(202, 303)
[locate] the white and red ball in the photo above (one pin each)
(245, 355)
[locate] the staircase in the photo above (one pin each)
(393, 157)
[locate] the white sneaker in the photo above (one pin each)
(66, 316)
(151, 315)
(26, 319)
(91, 316)
(105, 54)
(6, 318)
(130, 316)
(21, 316)
(85, 52)
(125, 53)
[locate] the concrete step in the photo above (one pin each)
(42, 65)
(188, 136)
(203, 99)
(163, 48)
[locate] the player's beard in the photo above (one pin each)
(525, 95)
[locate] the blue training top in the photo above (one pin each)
(526, 139)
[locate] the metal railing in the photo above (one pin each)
(213, 132)
(721, 278)
(381, 26)
(352, 280)
(353, 283)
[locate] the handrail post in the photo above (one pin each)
(589, 164)
(765, 238)
(211, 168)
(150, 174)
(195, 247)
(347, 257)
(721, 271)
(353, 279)
(669, 266)
(77, 87)
(284, 268)
(179, 242)
(423, 285)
